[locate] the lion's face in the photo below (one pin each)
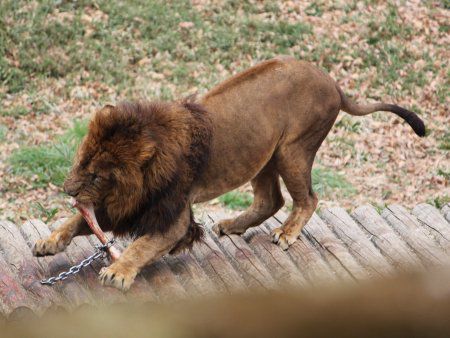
(109, 160)
(91, 178)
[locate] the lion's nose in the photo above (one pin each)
(70, 190)
(72, 193)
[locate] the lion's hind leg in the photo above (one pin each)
(267, 201)
(295, 168)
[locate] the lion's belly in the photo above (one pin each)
(241, 147)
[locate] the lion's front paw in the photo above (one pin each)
(284, 240)
(117, 276)
(48, 246)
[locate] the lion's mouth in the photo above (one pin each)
(88, 213)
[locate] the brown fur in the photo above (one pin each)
(144, 164)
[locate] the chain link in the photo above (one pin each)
(101, 251)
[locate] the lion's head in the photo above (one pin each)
(130, 149)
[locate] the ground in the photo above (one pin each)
(60, 61)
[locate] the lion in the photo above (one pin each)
(143, 165)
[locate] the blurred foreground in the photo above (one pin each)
(412, 305)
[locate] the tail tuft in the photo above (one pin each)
(411, 118)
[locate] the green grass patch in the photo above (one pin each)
(439, 202)
(326, 181)
(444, 143)
(349, 124)
(59, 39)
(3, 131)
(16, 111)
(444, 173)
(47, 214)
(49, 163)
(236, 200)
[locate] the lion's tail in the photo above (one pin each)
(364, 109)
(194, 233)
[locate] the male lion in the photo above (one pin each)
(142, 165)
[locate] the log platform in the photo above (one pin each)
(335, 246)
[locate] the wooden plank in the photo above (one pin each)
(242, 256)
(305, 255)
(214, 262)
(12, 293)
(22, 263)
(357, 241)
(446, 212)
(163, 281)
(190, 274)
(3, 312)
(415, 235)
(72, 288)
(337, 253)
(244, 259)
(277, 261)
(435, 222)
(385, 238)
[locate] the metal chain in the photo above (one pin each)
(100, 251)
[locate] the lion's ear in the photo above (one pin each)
(102, 121)
(106, 111)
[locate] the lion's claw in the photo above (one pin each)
(117, 277)
(283, 239)
(48, 246)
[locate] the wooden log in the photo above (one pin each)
(3, 314)
(435, 222)
(12, 293)
(22, 263)
(163, 281)
(190, 274)
(385, 238)
(446, 212)
(72, 288)
(415, 235)
(336, 252)
(214, 262)
(242, 256)
(277, 261)
(244, 259)
(312, 231)
(357, 241)
(305, 256)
